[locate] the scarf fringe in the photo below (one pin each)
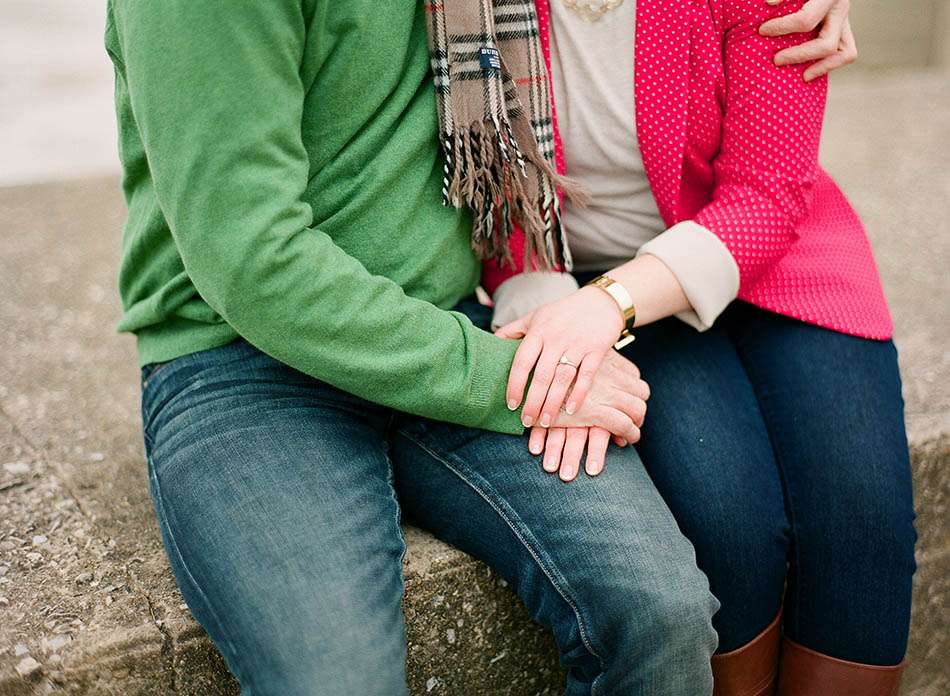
(487, 171)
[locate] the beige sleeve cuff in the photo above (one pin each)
(703, 266)
(525, 292)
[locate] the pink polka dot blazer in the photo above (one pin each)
(730, 141)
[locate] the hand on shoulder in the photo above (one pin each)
(833, 47)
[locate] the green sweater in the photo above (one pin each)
(284, 185)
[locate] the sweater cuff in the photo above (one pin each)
(492, 363)
(702, 264)
(525, 292)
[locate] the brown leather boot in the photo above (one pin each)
(805, 672)
(752, 669)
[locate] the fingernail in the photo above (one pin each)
(570, 408)
(545, 421)
(549, 465)
(623, 442)
(527, 421)
(512, 404)
(593, 468)
(535, 449)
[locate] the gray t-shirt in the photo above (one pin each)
(592, 75)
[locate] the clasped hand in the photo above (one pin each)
(569, 346)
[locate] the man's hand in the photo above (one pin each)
(833, 48)
(616, 403)
(564, 447)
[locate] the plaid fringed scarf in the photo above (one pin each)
(496, 126)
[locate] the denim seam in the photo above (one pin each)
(561, 585)
(761, 396)
(146, 438)
(391, 478)
(173, 543)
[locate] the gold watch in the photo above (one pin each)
(620, 295)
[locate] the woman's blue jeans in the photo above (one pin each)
(778, 442)
(279, 499)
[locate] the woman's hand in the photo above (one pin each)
(564, 343)
(833, 48)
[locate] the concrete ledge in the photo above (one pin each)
(87, 603)
(462, 621)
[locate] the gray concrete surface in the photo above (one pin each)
(87, 603)
(56, 113)
(909, 33)
(56, 116)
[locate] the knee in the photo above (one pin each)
(353, 660)
(681, 613)
(872, 522)
(330, 640)
(741, 555)
(669, 614)
(661, 634)
(869, 539)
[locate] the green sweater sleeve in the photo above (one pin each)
(217, 97)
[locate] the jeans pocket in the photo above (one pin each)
(149, 383)
(152, 369)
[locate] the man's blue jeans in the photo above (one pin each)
(279, 497)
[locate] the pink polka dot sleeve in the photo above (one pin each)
(768, 160)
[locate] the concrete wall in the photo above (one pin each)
(941, 50)
(56, 113)
(902, 33)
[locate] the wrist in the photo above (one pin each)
(624, 302)
(522, 294)
(605, 305)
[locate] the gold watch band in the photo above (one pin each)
(624, 301)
